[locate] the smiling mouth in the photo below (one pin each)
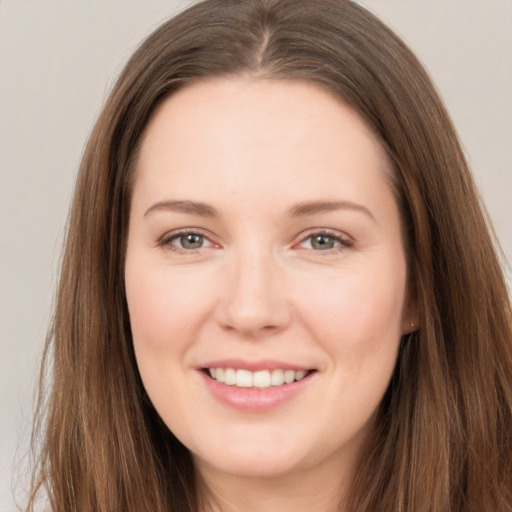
(261, 379)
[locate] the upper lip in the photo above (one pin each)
(254, 366)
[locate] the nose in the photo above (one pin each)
(253, 301)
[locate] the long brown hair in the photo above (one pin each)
(443, 436)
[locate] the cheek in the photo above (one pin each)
(151, 317)
(166, 310)
(165, 306)
(356, 312)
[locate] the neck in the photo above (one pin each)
(319, 488)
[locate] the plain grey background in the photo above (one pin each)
(58, 60)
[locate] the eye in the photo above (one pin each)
(322, 242)
(326, 241)
(185, 241)
(190, 241)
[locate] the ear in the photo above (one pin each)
(410, 324)
(410, 314)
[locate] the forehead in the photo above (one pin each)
(268, 136)
(255, 103)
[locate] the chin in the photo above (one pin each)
(250, 462)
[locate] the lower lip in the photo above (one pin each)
(254, 399)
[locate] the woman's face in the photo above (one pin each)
(265, 275)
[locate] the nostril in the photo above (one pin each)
(253, 317)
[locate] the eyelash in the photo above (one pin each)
(343, 242)
(166, 241)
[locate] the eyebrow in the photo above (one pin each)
(190, 207)
(313, 207)
(300, 210)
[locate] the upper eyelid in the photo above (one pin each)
(176, 233)
(343, 242)
(336, 234)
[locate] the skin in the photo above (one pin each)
(258, 288)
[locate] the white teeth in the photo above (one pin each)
(243, 379)
(300, 374)
(289, 376)
(260, 379)
(277, 378)
(229, 376)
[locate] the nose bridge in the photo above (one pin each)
(254, 297)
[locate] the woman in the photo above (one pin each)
(279, 288)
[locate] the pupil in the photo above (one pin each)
(322, 242)
(191, 241)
